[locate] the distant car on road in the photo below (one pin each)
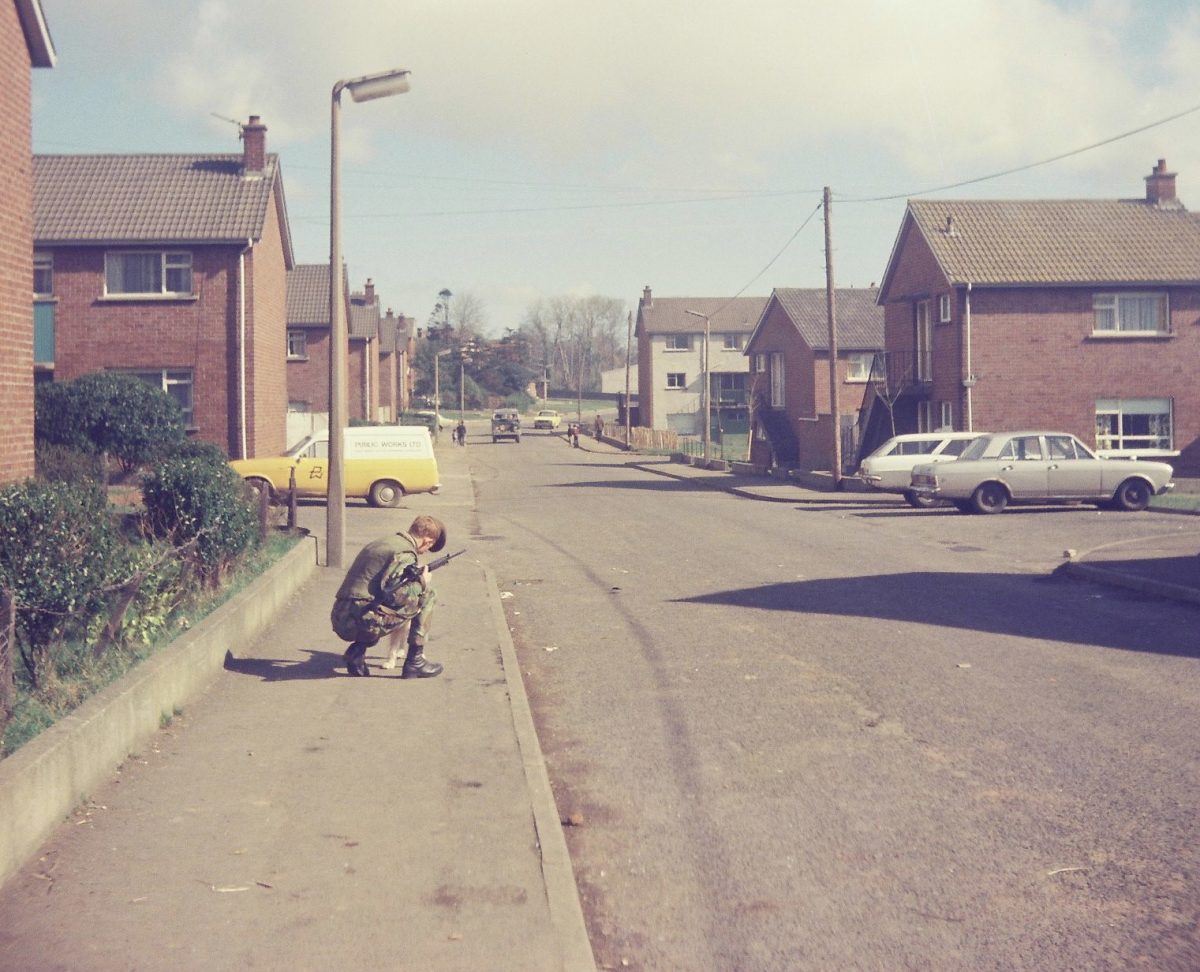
(429, 415)
(547, 418)
(889, 468)
(1039, 467)
(506, 424)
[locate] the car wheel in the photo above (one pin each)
(258, 486)
(920, 502)
(989, 498)
(1132, 496)
(386, 492)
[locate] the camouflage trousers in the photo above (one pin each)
(367, 622)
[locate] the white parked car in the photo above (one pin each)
(889, 468)
(1039, 467)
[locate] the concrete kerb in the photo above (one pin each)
(1144, 585)
(562, 893)
(43, 781)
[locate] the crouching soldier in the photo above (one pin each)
(387, 592)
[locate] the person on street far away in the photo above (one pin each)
(387, 592)
(599, 426)
(460, 433)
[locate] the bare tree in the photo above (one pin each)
(575, 338)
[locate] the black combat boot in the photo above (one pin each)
(416, 665)
(355, 657)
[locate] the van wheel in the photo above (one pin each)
(386, 493)
(1132, 496)
(258, 486)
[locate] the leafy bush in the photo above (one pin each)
(198, 449)
(109, 412)
(65, 464)
(57, 556)
(193, 500)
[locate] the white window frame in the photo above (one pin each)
(760, 363)
(778, 398)
(43, 273)
(733, 342)
(677, 379)
(179, 383)
(924, 346)
(945, 309)
(1161, 412)
(925, 416)
(297, 351)
(859, 365)
(169, 263)
(947, 410)
(674, 340)
(1111, 311)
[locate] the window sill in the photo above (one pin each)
(297, 357)
(1131, 336)
(148, 298)
(45, 299)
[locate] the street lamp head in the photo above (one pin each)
(696, 314)
(381, 85)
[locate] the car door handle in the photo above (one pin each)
(1053, 465)
(1007, 468)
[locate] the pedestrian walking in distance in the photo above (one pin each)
(387, 592)
(460, 433)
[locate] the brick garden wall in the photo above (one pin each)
(16, 252)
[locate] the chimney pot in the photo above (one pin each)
(369, 291)
(647, 299)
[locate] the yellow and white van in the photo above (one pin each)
(382, 464)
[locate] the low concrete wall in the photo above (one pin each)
(48, 777)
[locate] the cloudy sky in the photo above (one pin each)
(552, 148)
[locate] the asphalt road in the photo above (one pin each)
(848, 737)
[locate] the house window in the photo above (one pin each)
(676, 379)
(1133, 423)
(925, 417)
(148, 273)
(944, 308)
(297, 344)
(760, 364)
(299, 408)
(859, 365)
(1130, 313)
(947, 409)
(43, 274)
(177, 384)
(733, 342)
(679, 342)
(729, 387)
(776, 379)
(924, 345)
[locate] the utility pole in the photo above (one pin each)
(835, 418)
(628, 343)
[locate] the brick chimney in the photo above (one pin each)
(1160, 187)
(647, 299)
(254, 146)
(369, 291)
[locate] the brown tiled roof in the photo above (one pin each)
(153, 199)
(308, 295)
(1060, 241)
(668, 315)
(859, 317)
(387, 334)
(364, 317)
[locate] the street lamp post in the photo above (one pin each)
(366, 88)
(437, 387)
(707, 390)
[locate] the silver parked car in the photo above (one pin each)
(1039, 467)
(889, 468)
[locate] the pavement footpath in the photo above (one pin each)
(296, 818)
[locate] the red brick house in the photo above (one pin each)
(394, 358)
(789, 374)
(1076, 315)
(173, 268)
(24, 44)
(307, 349)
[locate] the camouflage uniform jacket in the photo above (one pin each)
(361, 602)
